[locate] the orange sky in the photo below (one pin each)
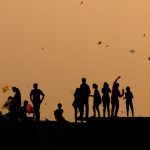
(69, 33)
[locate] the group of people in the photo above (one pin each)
(18, 112)
(80, 103)
(82, 94)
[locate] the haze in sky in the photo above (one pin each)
(56, 42)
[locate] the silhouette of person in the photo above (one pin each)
(58, 113)
(10, 105)
(23, 111)
(3, 117)
(16, 103)
(78, 104)
(115, 98)
(36, 99)
(85, 93)
(97, 100)
(106, 98)
(129, 103)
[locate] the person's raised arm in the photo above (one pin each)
(117, 79)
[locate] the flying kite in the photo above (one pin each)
(100, 42)
(81, 2)
(5, 88)
(132, 50)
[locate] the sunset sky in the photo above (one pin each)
(55, 43)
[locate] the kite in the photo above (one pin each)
(107, 45)
(5, 88)
(148, 58)
(42, 48)
(144, 35)
(132, 50)
(100, 42)
(81, 2)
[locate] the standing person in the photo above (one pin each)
(115, 98)
(85, 93)
(106, 98)
(78, 104)
(36, 99)
(97, 100)
(16, 103)
(129, 97)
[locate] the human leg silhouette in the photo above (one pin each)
(113, 109)
(127, 109)
(75, 113)
(37, 112)
(132, 110)
(81, 109)
(108, 109)
(98, 111)
(104, 109)
(86, 109)
(117, 108)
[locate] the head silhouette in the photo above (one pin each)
(106, 84)
(14, 89)
(59, 105)
(116, 85)
(10, 97)
(95, 86)
(35, 85)
(83, 80)
(128, 88)
(25, 103)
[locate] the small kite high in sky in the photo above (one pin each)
(100, 42)
(5, 88)
(81, 2)
(144, 35)
(148, 58)
(132, 50)
(42, 48)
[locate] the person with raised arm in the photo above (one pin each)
(115, 98)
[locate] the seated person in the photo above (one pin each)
(58, 113)
(24, 110)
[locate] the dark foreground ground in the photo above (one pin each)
(98, 134)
